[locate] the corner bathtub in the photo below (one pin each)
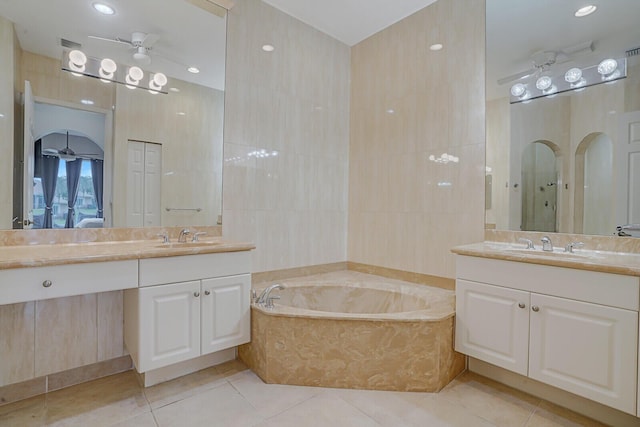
(354, 330)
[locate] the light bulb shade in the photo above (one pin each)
(573, 75)
(160, 79)
(77, 57)
(135, 74)
(518, 89)
(108, 65)
(543, 83)
(131, 83)
(607, 66)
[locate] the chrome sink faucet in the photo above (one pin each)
(182, 237)
(528, 242)
(197, 235)
(547, 246)
(570, 246)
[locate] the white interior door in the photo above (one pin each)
(135, 184)
(628, 165)
(152, 179)
(29, 157)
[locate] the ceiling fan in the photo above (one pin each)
(67, 154)
(140, 44)
(543, 60)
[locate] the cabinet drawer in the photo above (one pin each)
(28, 284)
(159, 271)
(590, 286)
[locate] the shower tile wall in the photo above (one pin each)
(286, 139)
(409, 105)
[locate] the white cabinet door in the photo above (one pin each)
(587, 349)
(170, 324)
(225, 312)
(492, 324)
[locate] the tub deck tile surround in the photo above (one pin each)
(399, 351)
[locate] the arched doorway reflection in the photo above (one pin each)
(539, 187)
(593, 198)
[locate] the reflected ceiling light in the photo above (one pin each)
(104, 9)
(518, 90)
(573, 75)
(107, 68)
(584, 11)
(543, 83)
(87, 101)
(268, 48)
(607, 66)
(134, 75)
(174, 89)
(77, 61)
(436, 46)
(193, 70)
(157, 81)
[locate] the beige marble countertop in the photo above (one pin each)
(583, 259)
(38, 255)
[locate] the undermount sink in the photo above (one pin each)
(556, 253)
(199, 244)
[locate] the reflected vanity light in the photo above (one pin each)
(104, 8)
(606, 71)
(436, 47)
(585, 11)
(108, 71)
(268, 48)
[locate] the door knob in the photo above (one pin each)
(47, 283)
(207, 292)
(521, 305)
(535, 308)
(196, 294)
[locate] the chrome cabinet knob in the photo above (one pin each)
(521, 305)
(535, 308)
(207, 292)
(47, 283)
(196, 294)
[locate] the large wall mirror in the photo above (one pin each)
(81, 151)
(563, 160)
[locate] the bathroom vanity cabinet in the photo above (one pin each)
(187, 306)
(573, 329)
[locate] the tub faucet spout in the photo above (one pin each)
(265, 299)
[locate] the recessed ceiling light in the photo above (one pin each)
(586, 10)
(174, 89)
(86, 101)
(181, 113)
(268, 48)
(193, 70)
(436, 46)
(104, 9)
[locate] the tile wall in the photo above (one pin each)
(286, 139)
(409, 105)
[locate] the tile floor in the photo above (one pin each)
(231, 395)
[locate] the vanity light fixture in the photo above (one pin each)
(268, 48)
(107, 68)
(436, 47)
(573, 75)
(104, 8)
(518, 90)
(193, 70)
(543, 83)
(108, 71)
(585, 11)
(607, 67)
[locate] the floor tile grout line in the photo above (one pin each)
(358, 409)
(222, 383)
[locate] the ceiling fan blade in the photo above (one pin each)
(50, 151)
(115, 40)
(517, 76)
(150, 40)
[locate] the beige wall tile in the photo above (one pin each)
(286, 139)
(66, 333)
(110, 325)
(17, 342)
(407, 104)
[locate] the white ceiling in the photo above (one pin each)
(349, 21)
(188, 35)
